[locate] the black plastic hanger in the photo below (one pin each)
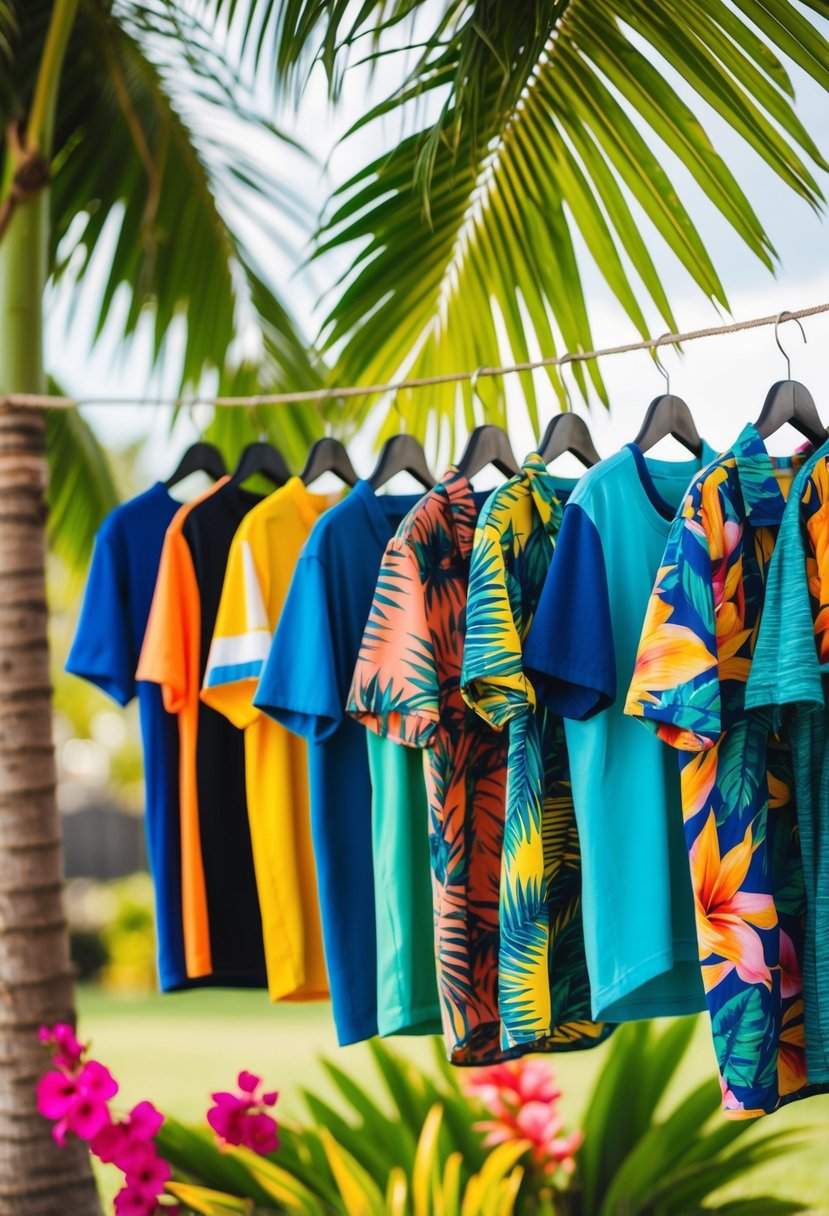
(488, 444)
(790, 401)
(328, 455)
(200, 457)
(262, 458)
(668, 415)
(401, 454)
(568, 432)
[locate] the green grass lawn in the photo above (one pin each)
(175, 1050)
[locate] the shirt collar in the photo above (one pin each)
(763, 500)
(543, 490)
(464, 509)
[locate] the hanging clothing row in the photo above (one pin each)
(545, 869)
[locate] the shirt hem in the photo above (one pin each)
(602, 1006)
(405, 1020)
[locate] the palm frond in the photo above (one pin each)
(81, 490)
(467, 241)
(153, 198)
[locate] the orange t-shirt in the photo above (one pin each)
(170, 657)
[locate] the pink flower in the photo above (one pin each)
(55, 1094)
(227, 1117)
(110, 1144)
(248, 1083)
(144, 1121)
(62, 1036)
(135, 1201)
(241, 1118)
(259, 1134)
(148, 1172)
(87, 1116)
(506, 1087)
(97, 1082)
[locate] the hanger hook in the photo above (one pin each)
(473, 382)
(259, 417)
(567, 357)
(787, 316)
(660, 366)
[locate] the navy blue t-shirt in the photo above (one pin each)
(305, 686)
(105, 651)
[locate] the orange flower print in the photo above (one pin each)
(698, 778)
(668, 654)
(725, 913)
(791, 1062)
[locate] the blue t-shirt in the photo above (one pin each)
(305, 686)
(638, 912)
(105, 651)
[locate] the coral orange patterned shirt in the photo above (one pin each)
(407, 686)
(689, 686)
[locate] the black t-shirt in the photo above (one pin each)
(232, 902)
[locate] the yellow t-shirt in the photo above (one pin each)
(262, 558)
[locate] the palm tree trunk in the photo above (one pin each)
(36, 1177)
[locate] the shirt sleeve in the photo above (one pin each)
(241, 638)
(395, 689)
(569, 654)
(492, 679)
(172, 630)
(104, 651)
(687, 647)
(300, 685)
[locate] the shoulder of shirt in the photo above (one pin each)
(428, 512)
(330, 532)
(589, 482)
(496, 512)
(723, 469)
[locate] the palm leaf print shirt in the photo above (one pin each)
(791, 661)
(543, 988)
(637, 905)
(407, 686)
(689, 686)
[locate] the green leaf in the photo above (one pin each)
(745, 1042)
(81, 490)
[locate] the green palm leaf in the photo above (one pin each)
(81, 490)
(550, 136)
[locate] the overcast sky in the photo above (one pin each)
(723, 379)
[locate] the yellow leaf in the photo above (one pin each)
(209, 1203)
(423, 1172)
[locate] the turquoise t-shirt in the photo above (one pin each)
(638, 912)
(789, 671)
(407, 986)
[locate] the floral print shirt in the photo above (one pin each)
(689, 686)
(543, 985)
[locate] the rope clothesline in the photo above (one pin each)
(45, 401)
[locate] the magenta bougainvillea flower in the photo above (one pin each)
(241, 1118)
(76, 1094)
(76, 1097)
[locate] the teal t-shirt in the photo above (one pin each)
(788, 675)
(407, 987)
(637, 906)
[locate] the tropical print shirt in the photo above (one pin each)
(791, 660)
(406, 686)
(689, 686)
(543, 987)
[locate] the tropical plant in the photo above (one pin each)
(126, 156)
(640, 1156)
(539, 137)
